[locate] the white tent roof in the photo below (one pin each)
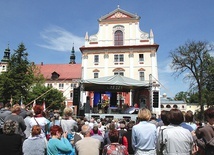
(116, 80)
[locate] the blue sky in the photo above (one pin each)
(48, 28)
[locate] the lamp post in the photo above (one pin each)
(150, 91)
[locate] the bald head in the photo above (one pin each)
(86, 130)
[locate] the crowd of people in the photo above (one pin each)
(31, 132)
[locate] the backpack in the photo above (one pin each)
(1, 122)
(115, 149)
(1, 125)
(162, 144)
(162, 139)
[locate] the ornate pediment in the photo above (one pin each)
(119, 14)
(118, 69)
(141, 69)
(96, 70)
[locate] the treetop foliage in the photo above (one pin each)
(194, 60)
(21, 80)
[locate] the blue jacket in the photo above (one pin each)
(59, 146)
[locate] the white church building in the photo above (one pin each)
(120, 47)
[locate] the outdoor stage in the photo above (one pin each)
(113, 116)
(114, 113)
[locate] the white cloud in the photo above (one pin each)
(164, 66)
(59, 39)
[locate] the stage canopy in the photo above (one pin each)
(113, 83)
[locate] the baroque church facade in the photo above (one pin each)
(120, 47)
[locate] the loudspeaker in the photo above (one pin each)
(155, 99)
(76, 96)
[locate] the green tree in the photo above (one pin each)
(16, 82)
(182, 96)
(193, 97)
(191, 59)
(209, 94)
(52, 97)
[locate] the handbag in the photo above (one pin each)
(39, 125)
(162, 145)
(48, 136)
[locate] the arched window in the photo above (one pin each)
(118, 38)
(175, 106)
(168, 106)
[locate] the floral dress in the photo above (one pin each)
(115, 149)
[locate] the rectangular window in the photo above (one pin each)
(96, 59)
(115, 58)
(121, 58)
(61, 85)
(141, 74)
(71, 95)
(73, 85)
(118, 58)
(96, 75)
(50, 85)
(119, 73)
(141, 57)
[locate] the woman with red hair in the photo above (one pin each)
(34, 145)
(58, 144)
(39, 119)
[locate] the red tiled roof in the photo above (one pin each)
(66, 71)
